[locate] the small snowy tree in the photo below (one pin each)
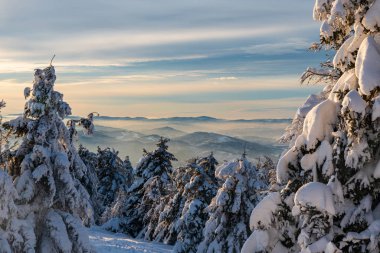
(227, 228)
(266, 175)
(90, 180)
(16, 235)
(7, 143)
(173, 204)
(129, 168)
(107, 176)
(135, 212)
(114, 175)
(47, 170)
(87, 125)
(329, 178)
(198, 193)
(166, 230)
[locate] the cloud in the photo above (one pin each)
(152, 52)
(116, 32)
(279, 47)
(116, 47)
(225, 78)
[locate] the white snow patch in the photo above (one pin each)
(226, 169)
(358, 37)
(261, 216)
(309, 104)
(348, 81)
(256, 242)
(320, 9)
(368, 65)
(108, 242)
(282, 165)
(344, 56)
(357, 152)
(354, 102)
(319, 123)
(371, 20)
(376, 173)
(337, 10)
(314, 194)
(331, 248)
(318, 246)
(321, 157)
(336, 189)
(325, 30)
(371, 233)
(376, 108)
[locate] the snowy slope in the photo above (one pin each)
(107, 242)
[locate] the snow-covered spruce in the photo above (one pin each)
(7, 143)
(16, 235)
(198, 193)
(167, 227)
(329, 178)
(227, 228)
(136, 211)
(107, 175)
(128, 167)
(114, 175)
(166, 230)
(90, 180)
(47, 169)
(265, 176)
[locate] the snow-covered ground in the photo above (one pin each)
(104, 241)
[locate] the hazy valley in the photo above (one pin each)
(190, 137)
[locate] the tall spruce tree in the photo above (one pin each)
(47, 168)
(107, 176)
(16, 231)
(166, 230)
(170, 210)
(244, 184)
(129, 168)
(329, 178)
(135, 211)
(113, 175)
(198, 192)
(90, 180)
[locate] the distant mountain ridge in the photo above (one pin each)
(184, 145)
(180, 119)
(194, 119)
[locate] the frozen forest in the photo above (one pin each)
(322, 195)
(327, 197)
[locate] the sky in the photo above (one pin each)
(220, 58)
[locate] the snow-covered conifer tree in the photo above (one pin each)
(266, 175)
(6, 144)
(198, 193)
(135, 212)
(90, 180)
(47, 170)
(16, 235)
(166, 229)
(227, 228)
(114, 175)
(329, 178)
(129, 168)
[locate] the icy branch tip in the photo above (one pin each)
(51, 61)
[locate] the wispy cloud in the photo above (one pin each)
(225, 78)
(281, 47)
(133, 55)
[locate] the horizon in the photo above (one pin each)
(112, 117)
(221, 59)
